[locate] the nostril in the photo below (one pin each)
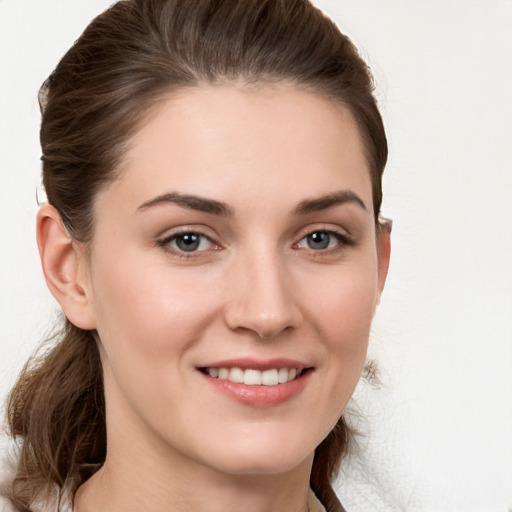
(263, 302)
(264, 326)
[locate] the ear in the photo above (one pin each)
(65, 268)
(383, 252)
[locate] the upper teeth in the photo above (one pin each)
(254, 377)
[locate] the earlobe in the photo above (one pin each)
(63, 268)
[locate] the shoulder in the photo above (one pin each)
(8, 457)
(6, 505)
(9, 454)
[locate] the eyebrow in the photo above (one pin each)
(214, 207)
(328, 201)
(190, 201)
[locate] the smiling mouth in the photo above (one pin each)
(253, 377)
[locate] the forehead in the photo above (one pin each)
(235, 143)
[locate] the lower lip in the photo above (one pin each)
(260, 396)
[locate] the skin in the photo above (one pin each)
(255, 288)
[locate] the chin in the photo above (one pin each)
(256, 457)
(262, 467)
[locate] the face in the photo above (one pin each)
(233, 277)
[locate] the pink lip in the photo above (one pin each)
(259, 396)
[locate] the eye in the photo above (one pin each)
(322, 240)
(188, 242)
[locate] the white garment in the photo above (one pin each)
(9, 455)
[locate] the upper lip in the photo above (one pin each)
(258, 364)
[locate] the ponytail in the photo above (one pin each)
(57, 408)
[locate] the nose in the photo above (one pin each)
(261, 298)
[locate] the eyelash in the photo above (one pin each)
(343, 241)
(165, 244)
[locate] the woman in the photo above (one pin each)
(213, 172)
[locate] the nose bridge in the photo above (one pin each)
(262, 300)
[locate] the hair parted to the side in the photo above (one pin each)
(127, 60)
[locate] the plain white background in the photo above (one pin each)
(439, 431)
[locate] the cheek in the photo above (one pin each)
(347, 303)
(344, 312)
(148, 308)
(147, 316)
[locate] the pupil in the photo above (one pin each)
(188, 243)
(319, 240)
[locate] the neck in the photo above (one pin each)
(133, 480)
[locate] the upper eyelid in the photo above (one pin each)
(324, 227)
(183, 230)
(328, 231)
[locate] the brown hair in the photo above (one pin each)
(126, 61)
